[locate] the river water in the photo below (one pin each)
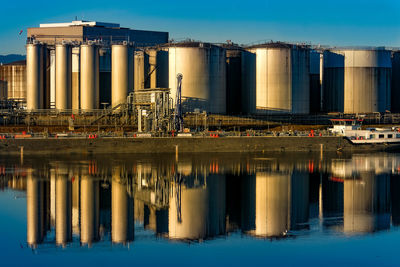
(200, 210)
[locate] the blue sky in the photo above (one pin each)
(338, 23)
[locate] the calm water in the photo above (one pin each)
(201, 210)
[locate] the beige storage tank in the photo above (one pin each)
(34, 78)
(366, 203)
(282, 78)
(203, 68)
(75, 90)
(63, 207)
(63, 76)
(89, 77)
(104, 77)
(395, 92)
(333, 82)
(141, 70)
(13, 81)
(122, 73)
(90, 209)
(367, 78)
(122, 210)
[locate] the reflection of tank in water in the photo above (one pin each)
(366, 203)
(89, 209)
(281, 203)
(197, 207)
(63, 207)
(122, 223)
(35, 209)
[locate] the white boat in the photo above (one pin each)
(351, 129)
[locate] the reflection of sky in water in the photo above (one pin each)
(244, 210)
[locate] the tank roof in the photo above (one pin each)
(189, 44)
(279, 45)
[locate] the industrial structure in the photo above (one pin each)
(13, 81)
(69, 64)
(102, 72)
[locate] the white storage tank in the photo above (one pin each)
(282, 78)
(121, 72)
(367, 78)
(63, 76)
(34, 78)
(204, 75)
(89, 78)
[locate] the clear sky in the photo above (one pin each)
(337, 23)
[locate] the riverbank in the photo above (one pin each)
(184, 145)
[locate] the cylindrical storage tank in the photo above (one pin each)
(89, 77)
(141, 70)
(158, 68)
(203, 68)
(272, 204)
(122, 73)
(282, 78)
(248, 94)
(34, 210)
(122, 210)
(34, 77)
(367, 78)
(315, 83)
(333, 82)
(234, 81)
(75, 87)
(63, 76)
(366, 203)
(90, 209)
(63, 208)
(46, 77)
(104, 76)
(395, 96)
